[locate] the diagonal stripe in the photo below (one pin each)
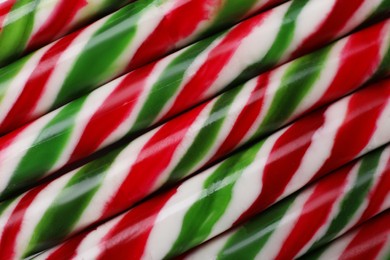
(279, 45)
(109, 116)
(108, 49)
(65, 207)
(273, 184)
(46, 149)
(215, 63)
(206, 137)
(177, 25)
(315, 213)
(170, 81)
(133, 238)
(14, 36)
(296, 83)
(269, 218)
(365, 122)
(59, 19)
(354, 199)
(208, 209)
(36, 84)
(334, 22)
(154, 157)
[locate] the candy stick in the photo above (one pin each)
(232, 191)
(27, 25)
(307, 220)
(121, 108)
(369, 241)
(281, 164)
(140, 33)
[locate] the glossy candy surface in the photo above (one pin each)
(311, 147)
(84, 60)
(127, 106)
(241, 186)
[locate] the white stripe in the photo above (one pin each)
(116, 174)
(63, 67)
(283, 228)
(82, 118)
(5, 216)
(336, 207)
(168, 224)
(186, 142)
(211, 249)
(151, 80)
(336, 248)
(91, 246)
(15, 86)
(252, 48)
(35, 212)
(328, 72)
(43, 12)
(247, 188)
(320, 147)
(312, 15)
(148, 21)
(189, 73)
(14, 153)
(89, 11)
(364, 11)
(381, 135)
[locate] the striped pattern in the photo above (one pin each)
(305, 221)
(141, 32)
(369, 241)
(236, 189)
(145, 97)
(109, 186)
(26, 25)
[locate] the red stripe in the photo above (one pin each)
(194, 90)
(117, 107)
(330, 28)
(68, 249)
(5, 9)
(314, 215)
(61, 17)
(355, 51)
(364, 109)
(152, 161)
(14, 223)
(246, 119)
(378, 196)
(369, 240)
(22, 110)
(175, 26)
(284, 160)
(127, 240)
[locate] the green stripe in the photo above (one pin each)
(8, 74)
(249, 239)
(108, 43)
(5, 204)
(206, 137)
(47, 148)
(14, 36)
(278, 47)
(168, 83)
(231, 11)
(296, 83)
(382, 10)
(213, 202)
(60, 218)
(354, 199)
(384, 67)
